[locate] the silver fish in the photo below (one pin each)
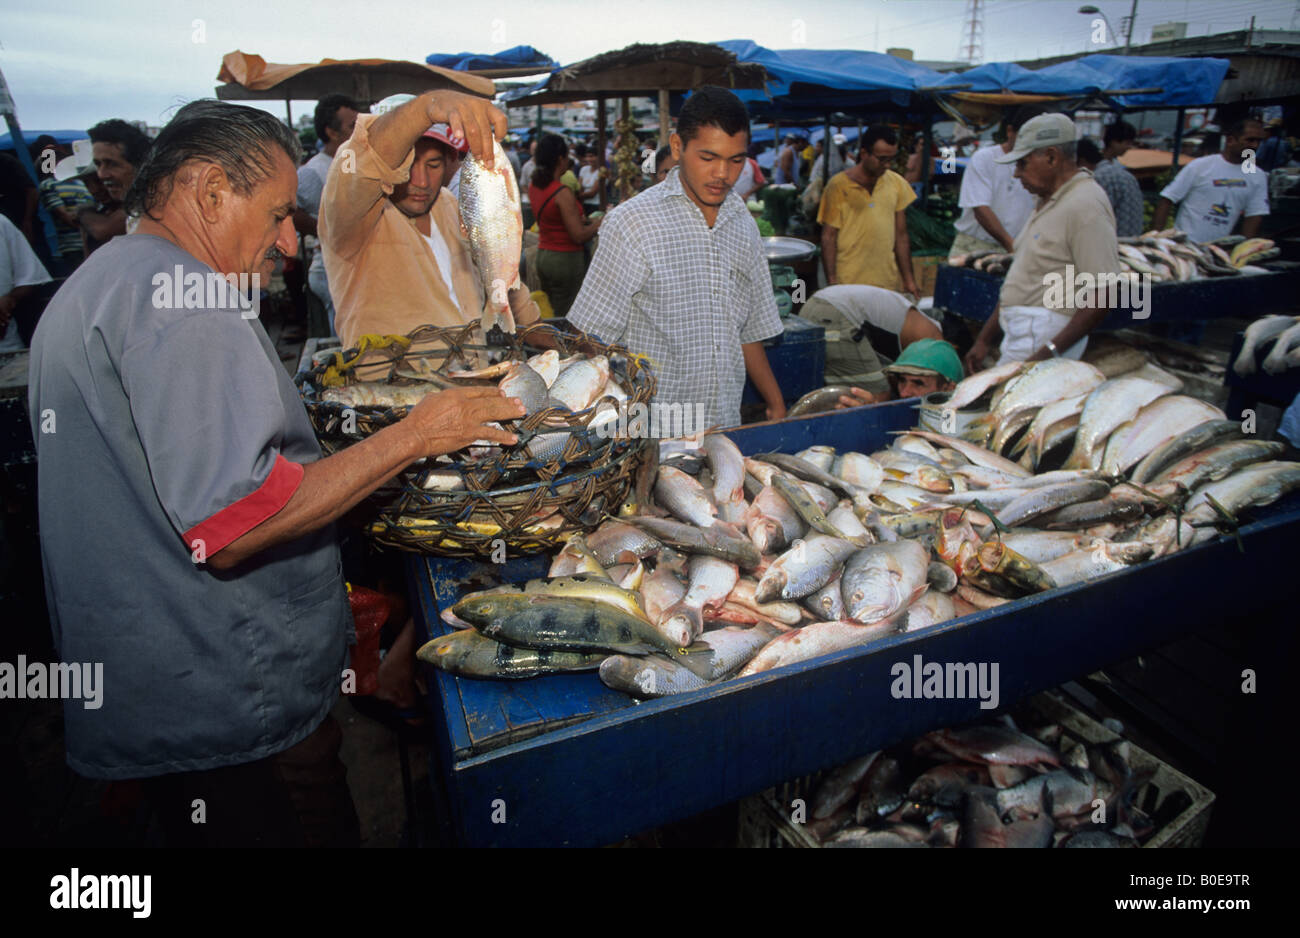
(1257, 333)
(1106, 408)
(1259, 484)
(815, 640)
(728, 467)
(1199, 437)
(685, 497)
(711, 580)
(735, 646)
(489, 210)
(820, 456)
(1102, 558)
(579, 385)
(971, 389)
(1155, 424)
(1040, 501)
(1276, 360)
(805, 568)
(649, 677)
(882, 580)
(771, 523)
(1218, 462)
(523, 382)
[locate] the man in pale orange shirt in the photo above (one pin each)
(395, 253)
(864, 231)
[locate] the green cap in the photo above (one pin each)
(927, 356)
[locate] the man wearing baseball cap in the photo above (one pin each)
(394, 250)
(1049, 301)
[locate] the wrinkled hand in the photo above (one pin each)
(855, 398)
(975, 358)
(471, 119)
(453, 419)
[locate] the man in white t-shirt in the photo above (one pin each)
(995, 206)
(1213, 192)
(335, 117)
(589, 179)
(21, 272)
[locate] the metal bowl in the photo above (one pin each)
(787, 250)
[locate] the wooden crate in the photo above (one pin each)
(764, 819)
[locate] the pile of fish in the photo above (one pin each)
(1284, 332)
(988, 785)
(544, 382)
(1168, 255)
(742, 565)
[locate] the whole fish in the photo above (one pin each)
(713, 541)
(1218, 462)
(1258, 484)
(617, 542)
(789, 489)
(814, 640)
(982, 824)
(1279, 358)
(685, 497)
(543, 622)
(1047, 416)
(546, 364)
(466, 653)
(1154, 425)
(819, 401)
(976, 454)
(1102, 558)
(882, 580)
(1113, 508)
(579, 385)
(728, 467)
(711, 580)
(489, 210)
(1257, 333)
(840, 786)
(771, 523)
(648, 677)
(1040, 501)
(971, 389)
(1041, 546)
(804, 568)
(1070, 790)
(845, 519)
(1199, 437)
(595, 588)
(997, 558)
(1106, 408)
(1043, 383)
(993, 744)
(379, 394)
(826, 603)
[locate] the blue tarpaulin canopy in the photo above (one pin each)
(29, 137)
(810, 82)
(521, 60)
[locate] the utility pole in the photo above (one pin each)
(1132, 20)
(972, 38)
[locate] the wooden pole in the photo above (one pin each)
(625, 115)
(663, 117)
(600, 148)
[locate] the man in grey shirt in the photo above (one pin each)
(186, 513)
(679, 275)
(1120, 185)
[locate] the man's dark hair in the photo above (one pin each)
(875, 133)
(660, 155)
(711, 106)
(241, 140)
(1119, 132)
(135, 145)
(1016, 119)
(580, 152)
(549, 151)
(327, 114)
(1087, 151)
(1237, 126)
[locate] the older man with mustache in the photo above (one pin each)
(186, 511)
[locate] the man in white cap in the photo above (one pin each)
(1049, 301)
(394, 250)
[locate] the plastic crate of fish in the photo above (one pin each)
(564, 473)
(1159, 791)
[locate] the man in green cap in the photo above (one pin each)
(926, 366)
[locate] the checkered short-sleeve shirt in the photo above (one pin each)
(686, 296)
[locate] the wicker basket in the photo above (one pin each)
(510, 498)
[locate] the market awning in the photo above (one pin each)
(642, 71)
(250, 77)
(30, 136)
(512, 63)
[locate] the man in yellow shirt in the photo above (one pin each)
(864, 232)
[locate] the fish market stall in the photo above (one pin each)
(1204, 282)
(566, 760)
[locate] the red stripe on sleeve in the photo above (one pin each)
(234, 521)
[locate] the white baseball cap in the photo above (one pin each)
(1045, 130)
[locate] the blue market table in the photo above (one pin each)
(563, 760)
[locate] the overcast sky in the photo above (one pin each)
(74, 63)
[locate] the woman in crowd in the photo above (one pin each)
(561, 225)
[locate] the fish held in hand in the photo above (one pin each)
(489, 210)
